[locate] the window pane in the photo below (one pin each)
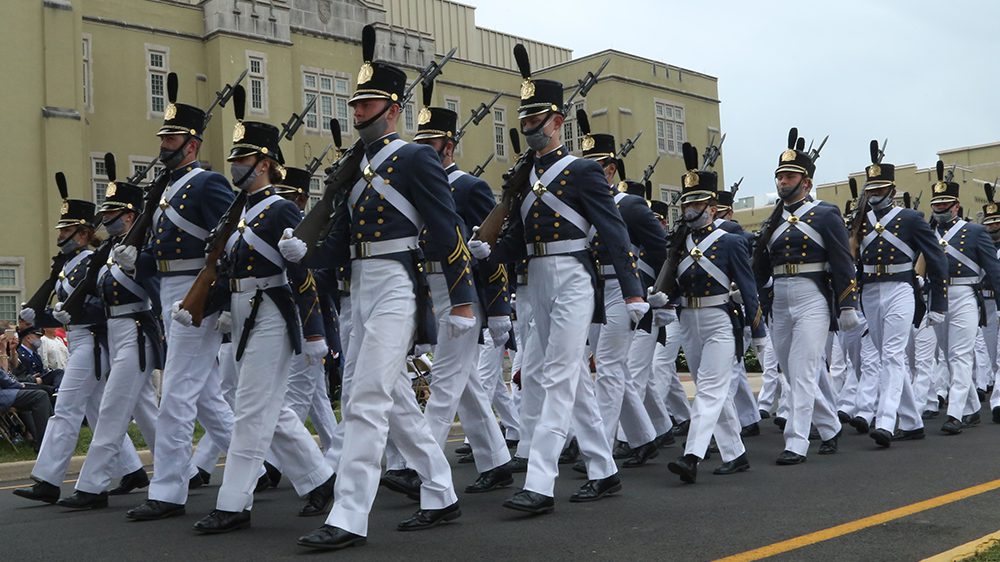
(311, 116)
(255, 64)
(341, 84)
(326, 83)
(326, 103)
(156, 92)
(310, 81)
(498, 116)
(8, 277)
(156, 60)
(342, 113)
(8, 307)
(257, 93)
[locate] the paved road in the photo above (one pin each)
(655, 517)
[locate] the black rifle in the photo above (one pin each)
(478, 171)
(583, 86)
(648, 174)
(477, 116)
(627, 146)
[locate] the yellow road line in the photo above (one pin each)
(859, 524)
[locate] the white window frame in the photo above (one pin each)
(670, 127)
(17, 290)
(410, 118)
(317, 121)
(315, 191)
(500, 132)
(572, 141)
(257, 77)
(137, 161)
(152, 71)
(454, 103)
(87, 56)
(666, 195)
(98, 181)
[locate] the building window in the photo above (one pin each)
(11, 287)
(571, 131)
(500, 132)
(333, 92)
(88, 79)
(453, 105)
(157, 67)
(98, 177)
(138, 165)
(257, 75)
(409, 118)
(670, 131)
(315, 191)
(669, 194)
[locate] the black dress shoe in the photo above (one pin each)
(909, 434)
(131, 481)
(463, 449)
(402, 481)
(942, 402)
(84, 500)
(40, 492)
(686, 467)
(682, 428)
(830, 446)
(751, 430)
(665, 440)
(780, 422)
(641, 455)
(580, 466)
(319, 499)
(492, 479)
(531, 502)
(517, 465)
(952, 426)
(881, 437)
(621, 451)
(196, 481)
(262, 484)
(983, 397)
(787, 458)
(929, 414)
(739, 464)
(813, 434)
(594, 490)
(467, 459)
(971, 419)
(273, 474)
(329, 537)
(860, 424)
(512, 443)
(844, 417)
(427, 518)
(996, 414)
(764, 414)
(570, 453)
(155, 509)
(219, 521)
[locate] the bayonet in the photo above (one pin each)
(814, 154)
(478, 115)
(712, 153)
(648, 173)
(583, 86)
(628, 145)
(482, 167)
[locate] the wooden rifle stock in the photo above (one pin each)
(136, 236)
(196, 297)
(515, 181)
(315, 226)
(40, 299)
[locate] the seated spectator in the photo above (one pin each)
(33, 405)
(54, 351)
(30, 369)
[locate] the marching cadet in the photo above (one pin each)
(804, 247)
(135, 341)
(84, 376)
(399, 187)
(456, 385)
(193, 202)
(549, 225)
(707, 260)
(267, 330)
(889, 242)
(991, 221)
(619, 391)
(972, 256)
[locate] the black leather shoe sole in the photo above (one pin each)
(222, 530)
(881, 437)
(357, 541)
(69, 504)
(474, 489)
(686, 475)
(450, 516)
(533, 509)
(156, 516)
(575, 498)
(30, 496)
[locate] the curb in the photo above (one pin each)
(21, 470)
(966, 550)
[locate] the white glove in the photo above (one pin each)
(499, 327)
(848, 319)
(636, 310)
(479, 249)
(291, 248)
(920, 281)
(458, 326)
(656, 299)
(935, 318)
(28, 315)
(315, 351)
(124, 256)
(180, 315)
(735, 294)
(664, 317)
(758, 346)
(224, 324)
(59, 314)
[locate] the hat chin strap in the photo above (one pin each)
(540, 125)
(375, 117)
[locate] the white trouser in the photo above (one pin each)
(889, 309)
(206, 454)
(261, 412)
(839, 364)
(456, 387)
(802, 318)
(490, 371)
(79, 395)
(923, 347)
(739, 389)
(710, 350)
(563, 302)
(770, 387)
(307, 396)
(336, 447)
(636, 422)
(191, 389)
(529, 363)
(956, 337)
(850, 343)
(129, 391)
(665, 395)
(990, 334)
(383, 309)
(983, 372)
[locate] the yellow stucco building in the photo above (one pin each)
(85, 77)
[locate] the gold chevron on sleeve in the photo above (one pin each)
(308, 284)
(461, 250)
(499, 275)
(850, 289)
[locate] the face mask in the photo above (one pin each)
(69, 244)
(373, 129)
(882, 202)
(172, 158)
(943, 216)
(536, 138)
(697, 219)
(243, 175)
(35, 343)
(789, 193)
(115, 227)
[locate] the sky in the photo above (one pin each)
(924, 74)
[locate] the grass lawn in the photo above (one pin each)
(986, 554)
